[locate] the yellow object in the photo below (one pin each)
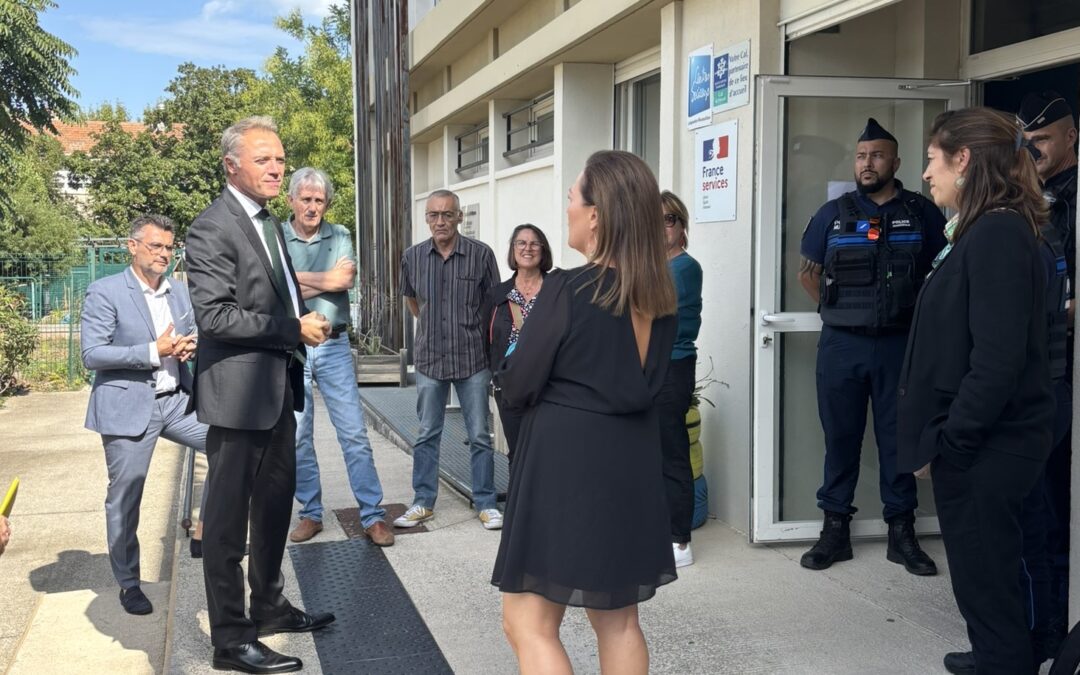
(693, 429)
(9, 498)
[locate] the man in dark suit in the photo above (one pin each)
(141, 384)
(248, 381)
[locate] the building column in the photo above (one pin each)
(584, 123)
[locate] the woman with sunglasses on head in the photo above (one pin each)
(508, 306)
(974, 402)
(674, 399)
(586, 517)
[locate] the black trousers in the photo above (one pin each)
(511, 424)
(979, 512)
(255, 469)
(671, 404)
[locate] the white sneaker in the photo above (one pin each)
(491, 518)
(414, 516)
(683, 556)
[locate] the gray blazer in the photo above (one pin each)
(116, 329)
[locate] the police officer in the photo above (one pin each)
(1050, 130)
(864, 258)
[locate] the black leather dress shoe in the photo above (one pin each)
(960, 663)
(294, 621)
(255, 657)
(196, 548)
(135, 601)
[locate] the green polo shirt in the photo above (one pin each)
(330, 244)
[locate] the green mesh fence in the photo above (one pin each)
(53, 288)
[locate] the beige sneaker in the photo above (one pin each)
(414, 516)
(307, 529)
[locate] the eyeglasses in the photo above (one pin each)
(435, 216)
(670, 219)
(521, 244)
(157, 247)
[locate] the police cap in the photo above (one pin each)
(875, 132)
(1040, 109)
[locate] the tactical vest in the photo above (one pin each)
(1062, 201)
(1057, 296)
(873, 266)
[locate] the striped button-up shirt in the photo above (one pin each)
(449, 342)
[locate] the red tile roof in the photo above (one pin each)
(81, 136)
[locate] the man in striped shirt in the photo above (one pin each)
(444, 280)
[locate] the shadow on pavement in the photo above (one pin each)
(73, 571)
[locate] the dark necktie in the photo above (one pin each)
(269, 228)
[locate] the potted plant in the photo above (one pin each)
(697, 459)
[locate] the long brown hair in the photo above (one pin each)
(1000, 173)
(627, 200)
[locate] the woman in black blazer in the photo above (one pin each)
(974, 402)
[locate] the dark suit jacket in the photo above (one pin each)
(246, 334)
(116, 331)
(976, 372)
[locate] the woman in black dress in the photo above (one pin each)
(506, 308)
(974, 401)
(586, 517)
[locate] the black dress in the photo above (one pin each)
(586, 520)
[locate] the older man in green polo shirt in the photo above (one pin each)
(322, 255)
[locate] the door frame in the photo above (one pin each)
(767, 323)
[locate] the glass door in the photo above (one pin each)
(805, 141)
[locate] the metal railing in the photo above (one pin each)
(472, 148)
(535, 125)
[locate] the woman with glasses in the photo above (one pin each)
(674, 399)
(507, 307)
(586, 517)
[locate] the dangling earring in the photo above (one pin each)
(960, 182)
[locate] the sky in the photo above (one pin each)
(129, 50)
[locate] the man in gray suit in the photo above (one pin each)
(138, 334)
(249, 379)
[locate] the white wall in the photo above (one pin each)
(725, 250)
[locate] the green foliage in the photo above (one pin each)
(310, 96)
(107, 112)
(41, 221)
(174, 167)
(34, 82)
(18, 337)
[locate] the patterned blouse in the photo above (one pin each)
(518, 299)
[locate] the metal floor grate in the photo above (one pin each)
(378, 629)
(395, 408)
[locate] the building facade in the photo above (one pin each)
(509, 97)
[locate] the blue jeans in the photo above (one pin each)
(331, 366)
(431, 409)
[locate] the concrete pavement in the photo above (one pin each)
(738, 609)
(59, 610)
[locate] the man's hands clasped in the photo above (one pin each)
(314, 329)
(180, 346)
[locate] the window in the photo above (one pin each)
(472, 150)
(997, 23)
(637, 118)
(530, 126)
